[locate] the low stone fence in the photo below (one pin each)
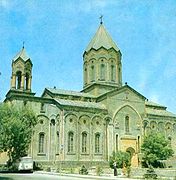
(164, 173)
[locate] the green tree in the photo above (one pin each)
(16, 126)
(121, 159)
(155, 148)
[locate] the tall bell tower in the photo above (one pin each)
(102, 68)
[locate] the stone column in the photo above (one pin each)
(13, 81)
(29, 83)
(78, 139)
(22, 81)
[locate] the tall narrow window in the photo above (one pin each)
(58, 143)
(127, 124)
(117, 142)
(84, 142)
(85, 75)
(92, 73)
(18, 79)
(138, 143)
(41, 142)
(102, 72)
(70, 142)
(112, 73)
(119, 76)
(97, 143)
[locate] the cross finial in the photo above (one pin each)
(101, 19)
(23, 44)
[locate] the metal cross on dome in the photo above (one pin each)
(101, 19)
(23, 44)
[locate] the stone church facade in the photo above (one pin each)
(87, 126)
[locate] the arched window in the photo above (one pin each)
(127, 124)
(84, 142)
(145, 126)
(168, 128)
(102, 72)
(18, 79)
(70, 142)
(92, 73)
(97, 143)
(117, 142)
(41, 142)
(112, 73)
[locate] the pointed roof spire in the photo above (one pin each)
(22, 54)
(101, 39)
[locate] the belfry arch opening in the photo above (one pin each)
(27, 81)
(18, 79)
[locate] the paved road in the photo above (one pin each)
(40, 176)
(34, 177)
(26, 176)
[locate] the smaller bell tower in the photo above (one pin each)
(21, 79)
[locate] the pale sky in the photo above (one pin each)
(57, 32)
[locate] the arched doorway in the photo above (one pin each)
(133, 155)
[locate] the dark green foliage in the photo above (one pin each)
(156, 148)
(121, 159)
(83, 170)
(16, 126)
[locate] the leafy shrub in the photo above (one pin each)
(99, 170)
(48, 169)
(83, 170)
(120, 158)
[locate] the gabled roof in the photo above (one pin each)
(157, 109)
(22, 54)
(121, 89)
(67, 92)
(159, 112)
(101, 39)
(155, 105)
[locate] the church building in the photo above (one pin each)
(86, 127)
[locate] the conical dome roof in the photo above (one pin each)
(101, 39)
(22, 54)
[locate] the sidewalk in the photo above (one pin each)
(104, 177)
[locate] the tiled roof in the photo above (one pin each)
(22, 54)
(67, 92)
(150, 103)
(159, 112)
(102, 39)
(80, 104)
